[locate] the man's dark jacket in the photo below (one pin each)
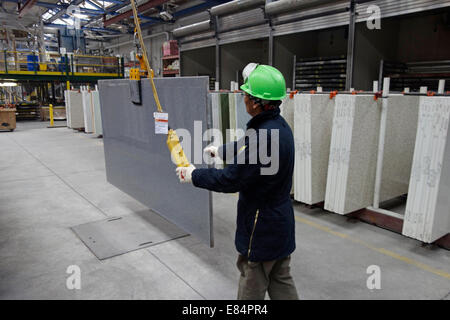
(272, 235)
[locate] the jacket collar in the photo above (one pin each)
(261, 117)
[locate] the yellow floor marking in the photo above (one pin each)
(379, 250)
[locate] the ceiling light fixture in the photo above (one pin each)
(8, 84)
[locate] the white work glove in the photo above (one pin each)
(185, 173)
(211, 152)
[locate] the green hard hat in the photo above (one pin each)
(264, 82)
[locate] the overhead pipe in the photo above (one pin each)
(226, 8)
(311, 16)
(289, 5)
(235, 6)
(192, 28)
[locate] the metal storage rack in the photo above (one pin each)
(414, 75)
(27, 111)
(326, 72)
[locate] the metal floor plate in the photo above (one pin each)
(118, 235)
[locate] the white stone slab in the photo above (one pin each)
(353, 153)
(354, 149)
(427, 208)
(88, 111)
(313, 116)
(95, 99)
(74, 109)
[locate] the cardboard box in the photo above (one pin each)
(7, 119)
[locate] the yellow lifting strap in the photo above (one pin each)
(144, 54)
(173, 142)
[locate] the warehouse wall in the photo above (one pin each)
(198, 62)
(331, 42)
(285, 47)
(422, 37)
(372, 46)
(322, 43)
(153, 46)
(235, 56)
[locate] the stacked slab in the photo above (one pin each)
(427, 216)
(242, 116)
(225, 116)
(401, 127)
(215, 110)
(313, 118)
(74, 109)
(238, 115)
(354, 148)
(216, 115)
(287, 112)
(95, 100)
(88, 110)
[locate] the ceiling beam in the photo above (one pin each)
(63, 11)
(146, 6)
(26, 7)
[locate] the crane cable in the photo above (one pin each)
(144, 54)
(173, 142)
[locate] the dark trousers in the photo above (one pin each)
(273, 277)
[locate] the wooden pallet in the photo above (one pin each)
(391, 223)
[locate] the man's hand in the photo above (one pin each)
(185, 173)
(211, 151)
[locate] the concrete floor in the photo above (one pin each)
(53, 179)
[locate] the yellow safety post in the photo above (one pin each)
(68, 85)
(52, 119)
(50, 111)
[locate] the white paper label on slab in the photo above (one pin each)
(161, 122)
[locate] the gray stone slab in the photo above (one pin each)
(138, 161)
(118, 235)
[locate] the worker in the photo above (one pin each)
(265, 235)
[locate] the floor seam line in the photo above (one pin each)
(60, 178)
(25, 179)
(178, 276)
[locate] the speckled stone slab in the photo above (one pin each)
(313, 115)
(401, 127)
(427, 215)
(354, 150)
